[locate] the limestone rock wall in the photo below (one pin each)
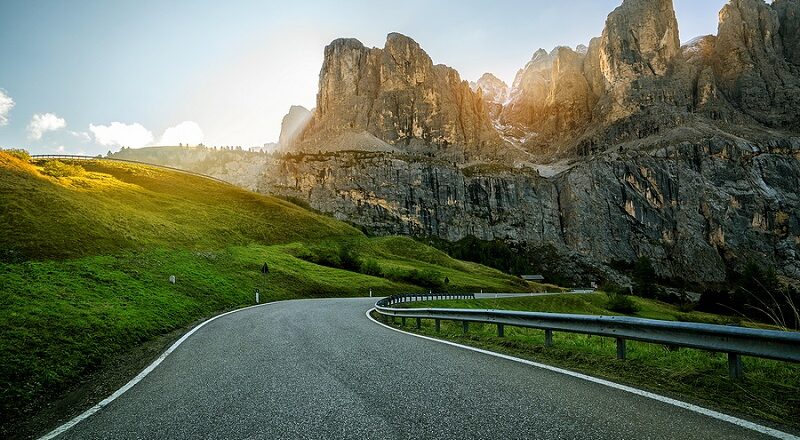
(694, 208)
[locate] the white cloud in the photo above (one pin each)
(6, 104)
(187, 133)
(121, 135)
(81, 135)
(44, 122)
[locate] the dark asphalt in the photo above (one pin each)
(320, 369)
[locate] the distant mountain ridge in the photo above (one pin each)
(633, 84)
(633, 146)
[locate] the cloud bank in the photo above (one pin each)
(6, 104)
(44, 122)
(118, 134)
(186, 133)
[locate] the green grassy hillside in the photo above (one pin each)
(87, 248)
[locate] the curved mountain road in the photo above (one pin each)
(321, 369)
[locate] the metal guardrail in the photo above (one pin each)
(411, 297)
(735, 341)
(78, 157)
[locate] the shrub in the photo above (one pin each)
(56, 168)
(425, 278)
(371, 267)
(349, 258)
(613, 288)
(621, 304)
(18, 153)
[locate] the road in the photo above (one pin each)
(320, 369)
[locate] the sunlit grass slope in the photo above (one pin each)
(87, 249)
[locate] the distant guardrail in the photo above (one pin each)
(78, 157)
(735, 341)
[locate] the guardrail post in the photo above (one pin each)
(419, 323)
(464, 327)
(403, 321)
(548, 338)
(501, 330)
(438, 323)
(735, 366)
(620, 348)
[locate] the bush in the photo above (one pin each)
(18, 153)
(425, 278)
(371, 267)
(56, 168)
(349, 258)
(343, 257)
(322, 256)
(621, 304)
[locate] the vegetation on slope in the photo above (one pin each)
(87, 249)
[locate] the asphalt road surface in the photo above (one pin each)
(320, 369)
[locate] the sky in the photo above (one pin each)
(89, 76)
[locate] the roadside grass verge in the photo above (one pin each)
(770, 390)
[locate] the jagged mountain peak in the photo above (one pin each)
(399, 99)
(640, 38)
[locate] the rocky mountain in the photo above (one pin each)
(292, 125)
(637, 85)
(751, 64)
(687, 155)
(396, 99)
(493, 91)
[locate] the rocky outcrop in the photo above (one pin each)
(293, 125)
(789, 20)
(640, 39)
(398, 97)
(493, 91)
(559, 94)
(529, 91)
(640, 88)
(750, 63)
(693, 209)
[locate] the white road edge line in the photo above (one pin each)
(687, 406)
(89, 412)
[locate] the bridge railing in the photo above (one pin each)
(735, 341)
(79, 157)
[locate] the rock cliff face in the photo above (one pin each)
(563, 98)
(529, 91)
(694, 209)
(399, 98)
(789, 19)
(640, 39)
(644, 88)
(293, 125)
(750, 62)
(494, 92)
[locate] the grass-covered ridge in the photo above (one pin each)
(87, 248)
(770, 389)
